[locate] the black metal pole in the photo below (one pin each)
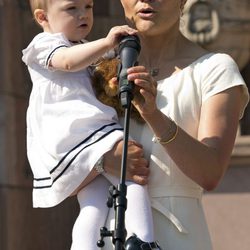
(120, 232)
(129, 49)
(118, 194)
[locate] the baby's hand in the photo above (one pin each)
(116, 33)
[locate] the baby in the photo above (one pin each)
(67, 127)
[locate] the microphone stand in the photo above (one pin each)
(121, 200)
(118, 194)
(129, 49)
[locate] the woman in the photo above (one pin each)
(193, 101)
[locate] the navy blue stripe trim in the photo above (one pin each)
(42, 187)
(78, 145)
(42, 179)
(51, 53)
(68, 165)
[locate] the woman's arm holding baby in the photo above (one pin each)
(137, 165)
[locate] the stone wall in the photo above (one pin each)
(21, 226)
(234, 32)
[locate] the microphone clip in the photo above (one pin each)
(126, 88)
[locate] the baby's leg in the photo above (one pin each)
(138, 215)
(93, 212)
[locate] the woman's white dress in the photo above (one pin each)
(179, 220)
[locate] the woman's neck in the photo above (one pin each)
(157, 51)
(155, 47)
(165, 54)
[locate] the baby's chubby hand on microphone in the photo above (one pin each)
(137, 165)
(116, 33)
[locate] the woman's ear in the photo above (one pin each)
(41, 17)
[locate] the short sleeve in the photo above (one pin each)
(219, 73)
(42, 47)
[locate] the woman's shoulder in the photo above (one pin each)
(212, 59)
(209, 63)
(216, 64)
(199, 56)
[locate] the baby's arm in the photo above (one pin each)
(82, 55)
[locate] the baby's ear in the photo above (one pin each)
(41, 17)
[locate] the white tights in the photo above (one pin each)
(93, 213)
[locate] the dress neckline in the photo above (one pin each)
(180, 72)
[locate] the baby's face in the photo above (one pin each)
(73, 18)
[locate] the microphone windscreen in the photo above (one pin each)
(132, 41)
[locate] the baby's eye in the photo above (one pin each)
(89, 6)
(71, 8)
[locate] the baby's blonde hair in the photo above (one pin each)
(38, 4)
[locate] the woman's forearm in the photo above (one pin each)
(206, 158)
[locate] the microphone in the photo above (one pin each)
(128, 51)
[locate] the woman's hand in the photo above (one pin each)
(137, 165)
(148, 89)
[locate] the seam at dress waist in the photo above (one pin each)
(175, 191)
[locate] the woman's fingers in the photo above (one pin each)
(137, 165)
(148, 89)
(141, 180)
